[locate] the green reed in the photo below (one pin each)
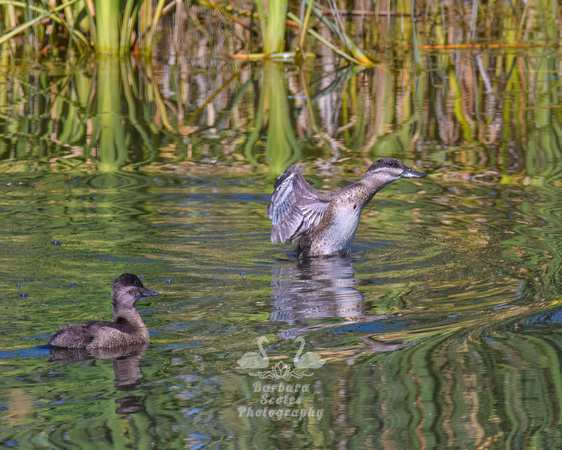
(272, 15)
(103, 26)
(122, 26)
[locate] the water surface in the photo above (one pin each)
(441, 328)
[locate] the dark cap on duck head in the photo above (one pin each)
(129, 287)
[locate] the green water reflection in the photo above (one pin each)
(440, 329)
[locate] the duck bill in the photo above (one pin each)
(411, 173)
(148, 293)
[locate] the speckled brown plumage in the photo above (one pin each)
(127, 327)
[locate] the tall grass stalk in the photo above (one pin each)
(327, 43)
(304, 26)
(154, 23)
(108, 13)
(117, 26)
(110, 27)
(25, 26)
(352, 48)
(130, 16)
(272, 23)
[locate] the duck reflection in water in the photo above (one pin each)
(316, 288)
(323, 288)
(126, 369)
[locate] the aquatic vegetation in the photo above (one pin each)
(138, 26)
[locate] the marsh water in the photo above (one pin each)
(441, 327)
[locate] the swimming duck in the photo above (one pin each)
(127, 327)
(325, 222)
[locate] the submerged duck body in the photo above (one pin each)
(127, 327)
(325, 222)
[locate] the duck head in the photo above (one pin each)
(387, 170)
(127, 290)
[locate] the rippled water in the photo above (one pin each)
(441, 328)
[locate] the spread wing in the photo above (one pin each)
(295, 207)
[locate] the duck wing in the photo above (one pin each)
(72, 335)
(295, 207)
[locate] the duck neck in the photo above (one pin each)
(130, 316)
(376, 184)
(364, 190)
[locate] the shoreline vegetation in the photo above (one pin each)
(273, 29)
(190, 84)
